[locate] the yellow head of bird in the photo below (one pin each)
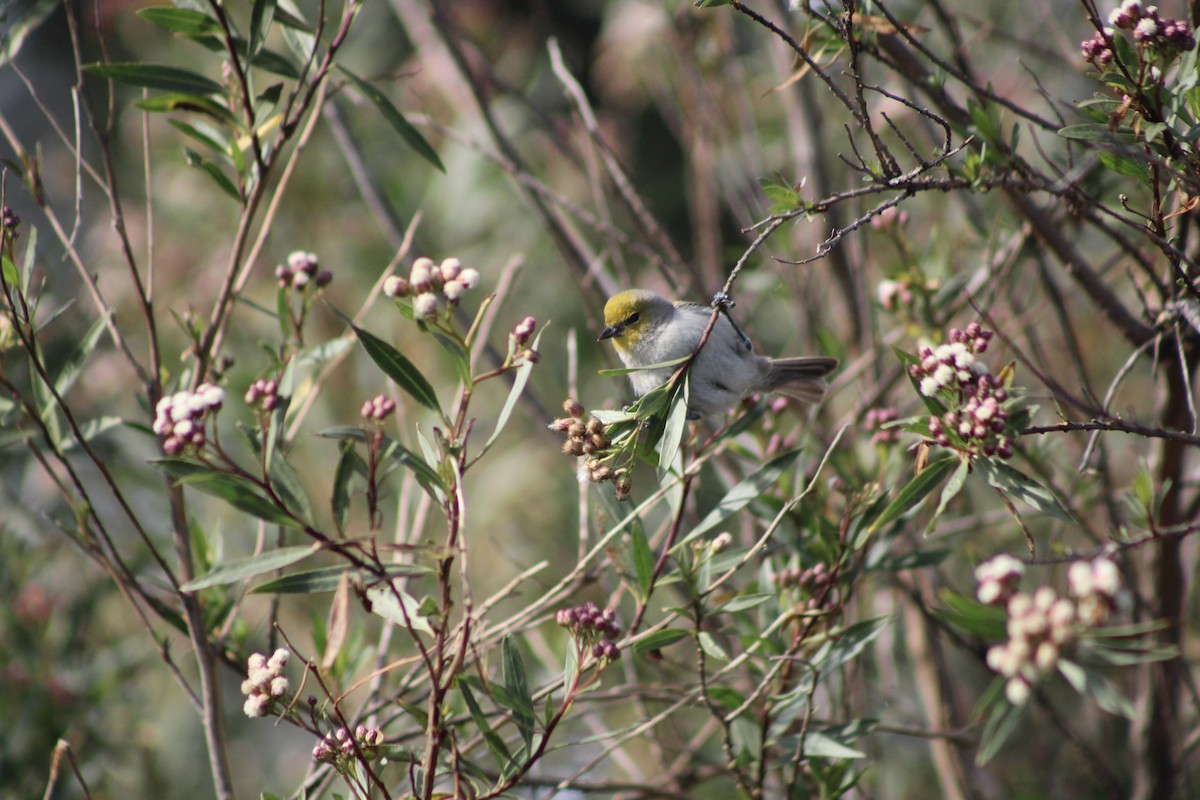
(626, 317)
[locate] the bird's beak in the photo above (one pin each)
(610, 332)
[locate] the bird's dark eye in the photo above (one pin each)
(633, 318)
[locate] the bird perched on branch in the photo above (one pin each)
(647, 330)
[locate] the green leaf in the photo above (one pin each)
(971, 616)
(1017, 484)
(712, 647)
(660, 639)
(1000, 726)
(820, 745)
(1094, 685)
(233, 490)
(915, 491)
(194, 159)
(643, 560)
(491, 739)
(261, 18)
(385, 604)
(325, 579)
(157, 76)
(515, 681)
(195, 103)
(746, 601)
(849, 643)
(402, 126)
(514, 394)
(674, 430)
(744, 493)
(181, 20)
(340, 501)
(245, 568)
(73, 366)
(199, 135)
(398, 368)
(1088, 132)
(21, 19)
(1123, 165)
(950, 491)
(397, 453)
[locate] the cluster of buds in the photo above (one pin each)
(431, 283)
(812, 581)
(180, 418)
(1096, 587)
(894, 295)
(378, 408)
(263, 393)
(340, 747)
(977, 417)
(9, 223)
(890, 217)
(1041, 624)
(586, 437)
(998, 579)
(1152, 30)
(875, 421)
(302, 271)
(1162, 35)
(264, 682)
(593, 629)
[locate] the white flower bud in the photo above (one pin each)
(425, 305)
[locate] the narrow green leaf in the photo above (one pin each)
(660, 639)
(398, 454)
(181, 20)
(195, 103)
(745, 602)
(915, 491)
(231, 489)
(402, 126)
(818, 745)
(1001, 725)
(712, 647)
(517, 684)
(325, 579)
(1124, 165)
(90, 430)
(674, 430)
(1094, 685)
(157, 76)
(643, 560)
(849, 643)
(200, 136)
(262, 16)
(340, 501)
(518, 388)
(398, 368)
(245, 568)
(950, 491)
(745, 492)
(494, 743)
(222, 180)
(73, 366)
(384, 603)
(1017, 484)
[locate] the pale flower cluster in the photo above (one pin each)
(430, 284)
(341, 746)
(1041, 624)
(264, 682)
(179, 418)
(998, 579)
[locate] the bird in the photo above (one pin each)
(647, 329)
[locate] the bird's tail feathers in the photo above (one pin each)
(802, 378)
